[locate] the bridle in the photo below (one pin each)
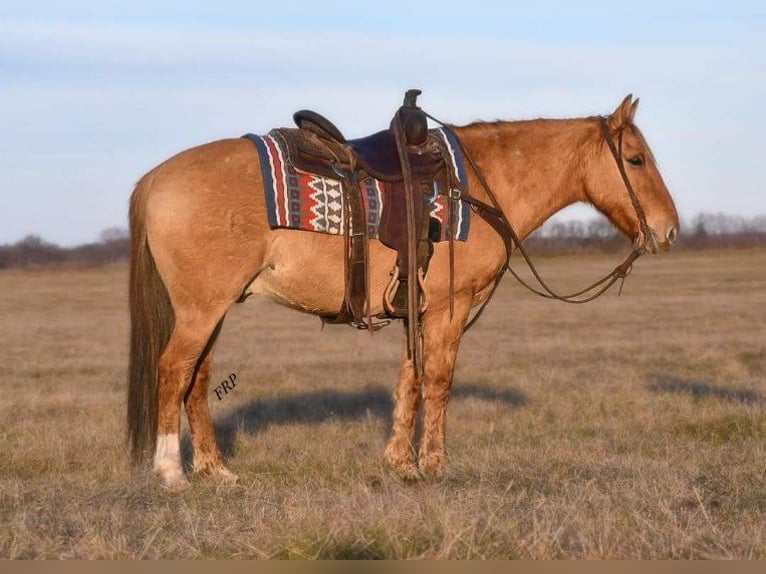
(643, 227)
(495, 217)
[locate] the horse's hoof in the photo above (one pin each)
(403, 466)
(405, 470)
(175, 481)
(222, 475)
(433, 466)
(408, 473)
(216, 472)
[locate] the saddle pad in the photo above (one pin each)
(299, 200)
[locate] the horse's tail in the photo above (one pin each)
(151, 323)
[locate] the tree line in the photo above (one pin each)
(704, 231)
(112, 246)
(555, 237)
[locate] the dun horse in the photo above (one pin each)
(201, 239)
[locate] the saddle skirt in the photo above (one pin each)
(314, 200)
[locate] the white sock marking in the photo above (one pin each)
(167, 456)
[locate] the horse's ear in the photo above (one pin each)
(623, 114)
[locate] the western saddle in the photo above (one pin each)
(413, 163)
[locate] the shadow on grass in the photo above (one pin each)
(661, 383)
(320, 406)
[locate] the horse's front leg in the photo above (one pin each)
(400, 453)
(442, 340)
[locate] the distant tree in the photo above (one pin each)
(113, 234)
(759, 224)
(698, 226)
(34, 241)
(600, 228)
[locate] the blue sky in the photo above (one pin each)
(94, 94)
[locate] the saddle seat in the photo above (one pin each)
(377, 154)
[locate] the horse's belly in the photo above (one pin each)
(305, 271)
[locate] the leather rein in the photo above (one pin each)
(495, 217)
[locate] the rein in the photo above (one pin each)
(496, 218)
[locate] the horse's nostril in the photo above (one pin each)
(672, 234)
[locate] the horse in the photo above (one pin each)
(200, 241)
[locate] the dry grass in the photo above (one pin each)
(632, 427)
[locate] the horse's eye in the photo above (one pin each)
(636, 161)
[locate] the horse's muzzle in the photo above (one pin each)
(659, 242)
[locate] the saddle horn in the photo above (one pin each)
(414, 121)
(410, 98)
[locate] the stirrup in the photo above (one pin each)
(390, 291)
(393, 285)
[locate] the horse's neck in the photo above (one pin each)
(535, 168)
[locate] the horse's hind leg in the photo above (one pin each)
(176, 369)
(208, 460)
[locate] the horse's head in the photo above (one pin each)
(609, 192)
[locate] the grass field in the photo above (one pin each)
(630, 427)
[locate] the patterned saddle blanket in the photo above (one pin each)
(312, 202)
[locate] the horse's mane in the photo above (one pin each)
(481, 125)
(498, 123)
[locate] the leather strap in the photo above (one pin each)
(356, 253)
(617, 155)
(414, 348)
